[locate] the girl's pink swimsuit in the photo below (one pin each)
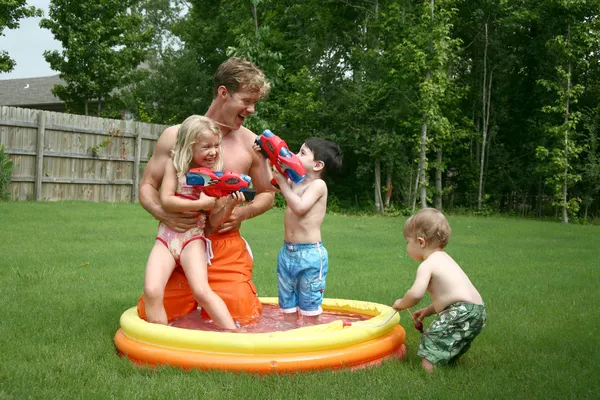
(176, 241)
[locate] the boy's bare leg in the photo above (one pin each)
(312, 319)
(193, 262)
(290, 317)
(427, 366)
(159, 268)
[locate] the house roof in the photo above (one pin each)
(29, 91)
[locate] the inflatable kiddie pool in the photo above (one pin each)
(338, 344)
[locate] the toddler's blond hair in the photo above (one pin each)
(431, 225)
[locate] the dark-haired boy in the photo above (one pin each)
(302, 263)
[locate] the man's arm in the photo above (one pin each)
(152, 179)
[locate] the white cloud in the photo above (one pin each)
(26, 45)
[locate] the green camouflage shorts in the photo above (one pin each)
(450, 335)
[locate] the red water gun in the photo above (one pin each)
(218, 184)
(276, 151)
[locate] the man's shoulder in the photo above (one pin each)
(166, 141)
(171, 131)
(245, 133)
(169, 134)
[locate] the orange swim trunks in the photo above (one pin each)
(229, 276)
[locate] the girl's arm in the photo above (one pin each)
(173, 203)
(223, 209)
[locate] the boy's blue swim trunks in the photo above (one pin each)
(301, 272)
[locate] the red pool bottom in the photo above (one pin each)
(271, 320)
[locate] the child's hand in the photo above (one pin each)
(396, 305)
(257, 149)
(208, 202)
(235, 198)
(421, 313)
(280, 178)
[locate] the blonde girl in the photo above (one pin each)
(199, 144)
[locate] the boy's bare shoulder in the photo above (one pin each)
(438, 259)
(319, 183)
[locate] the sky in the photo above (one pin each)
(26, 45)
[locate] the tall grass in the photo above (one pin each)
(68, 270)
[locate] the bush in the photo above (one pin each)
(6, 167)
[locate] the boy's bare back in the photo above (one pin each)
(447, 282)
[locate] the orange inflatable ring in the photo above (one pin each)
(327, 346)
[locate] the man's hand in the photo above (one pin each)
(183, 221)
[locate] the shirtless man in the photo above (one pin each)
(237, 86)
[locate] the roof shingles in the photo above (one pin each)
(29, 91)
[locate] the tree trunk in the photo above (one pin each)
(414, 199)
(255, 17)
(565, 215)
(409, 203)
(422, 163)
(540, 197)
(423, 153)
(388, 185)
(86, 107)
(484, 118)
(378, 200)
(437, 199)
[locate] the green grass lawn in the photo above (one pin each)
(68, 270)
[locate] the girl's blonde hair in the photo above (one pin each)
(431, 225)
(189, 132)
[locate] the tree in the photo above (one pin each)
(575, 37)
(103, 44)
(11, 11)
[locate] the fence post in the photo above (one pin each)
(136, 164)
(39, 156)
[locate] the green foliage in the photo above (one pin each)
(11, 11)
(102, 45)
(357, 73)
(6, 167)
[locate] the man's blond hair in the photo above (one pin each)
(189, 132)
(431, 225)
(239, 74)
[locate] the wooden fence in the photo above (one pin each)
(60, 156)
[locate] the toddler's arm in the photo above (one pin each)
(174, 203)
(424, 312)
(417, 291)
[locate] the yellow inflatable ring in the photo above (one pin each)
(333, 345)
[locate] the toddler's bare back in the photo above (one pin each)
(448, 283)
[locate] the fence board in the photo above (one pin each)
(59, 156)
